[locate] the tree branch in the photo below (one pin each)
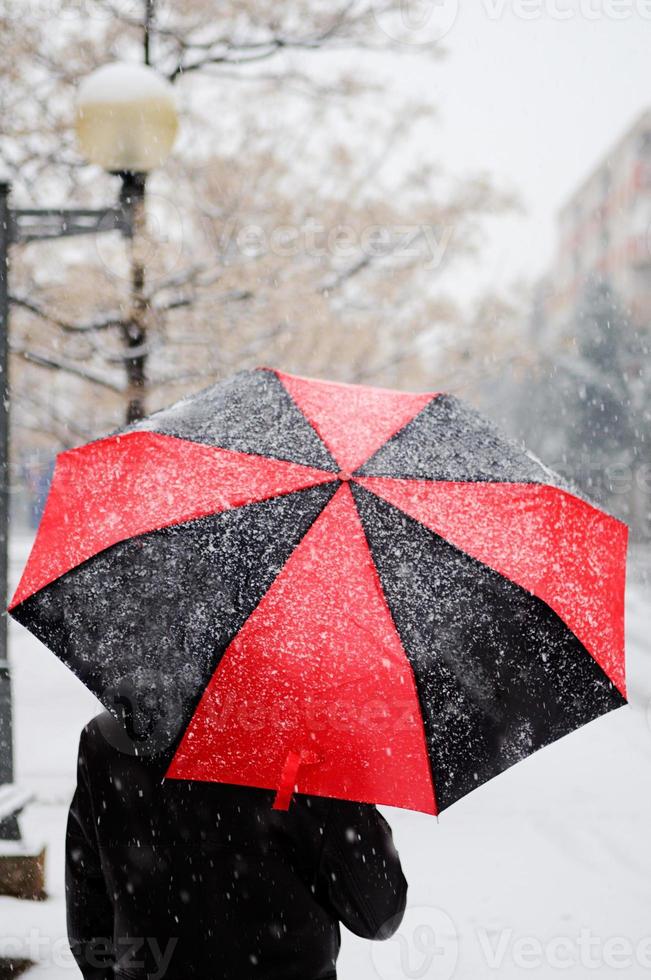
(104, 323)
(365, 260)
(55, 363)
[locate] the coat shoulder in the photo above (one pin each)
(101, 736)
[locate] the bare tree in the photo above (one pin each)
(300, 222)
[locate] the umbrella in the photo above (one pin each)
(340, 590)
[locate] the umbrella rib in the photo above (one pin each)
(309, 421)
(209, 445)
(497, 571)
(395, 435)
(32, 581)
(383, 598)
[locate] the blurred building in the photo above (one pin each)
(605, 228)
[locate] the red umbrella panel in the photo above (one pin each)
(348, 591)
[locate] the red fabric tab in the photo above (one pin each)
(353, 421)
(318, 664)
(569, 554)
(287, 781)
(128, 484)
(287, 785)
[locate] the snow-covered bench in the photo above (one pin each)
(22, 867)
(12, 801)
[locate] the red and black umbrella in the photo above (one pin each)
(360, 593)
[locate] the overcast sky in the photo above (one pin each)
(535, 101)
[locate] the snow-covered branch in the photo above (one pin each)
(51, 361)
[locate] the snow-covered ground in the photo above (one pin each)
(546, 869)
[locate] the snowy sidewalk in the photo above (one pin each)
(546, 868)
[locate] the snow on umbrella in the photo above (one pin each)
(347, 591)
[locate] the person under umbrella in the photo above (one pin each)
(174, 880)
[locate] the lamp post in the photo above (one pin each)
(126, 122)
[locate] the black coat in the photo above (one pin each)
(181, 880)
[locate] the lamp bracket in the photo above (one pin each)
(39, 224)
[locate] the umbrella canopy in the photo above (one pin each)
(361, 593)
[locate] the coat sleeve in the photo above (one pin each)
(360, 876)
(88, 905)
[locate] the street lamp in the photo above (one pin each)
(126, 118)
(126, 122)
